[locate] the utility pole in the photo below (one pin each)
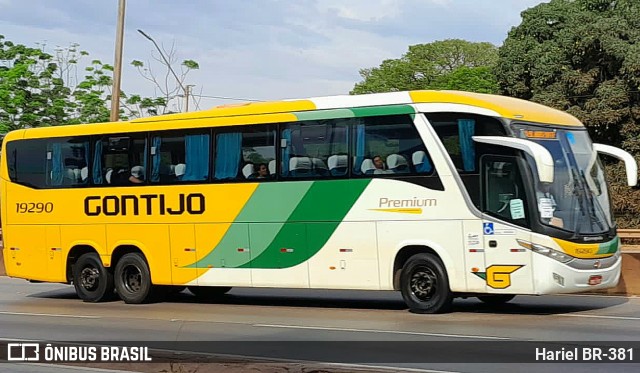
(117, 67)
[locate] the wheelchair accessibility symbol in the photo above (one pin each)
(487, 228)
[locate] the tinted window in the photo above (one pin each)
(455, 131)
(246, 154)
(259, 153)
(315, 148)
(179, 158)
(67, 162)
(53, 163)
(120, 160)
(27, 160)
(389, 145)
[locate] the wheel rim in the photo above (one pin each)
(90, 278)
(132, 278)
(423, 283)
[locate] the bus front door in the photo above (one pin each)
(507, 264)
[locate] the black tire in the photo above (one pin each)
(133, 279)
(424, 285)
(92, 281)
(496, 300)
(208, 292)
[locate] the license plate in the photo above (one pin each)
(595, 280)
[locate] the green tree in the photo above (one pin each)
(38, 88)
(446, 64)
(30, 92)
(582, 56)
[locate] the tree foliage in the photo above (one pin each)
(38, 88)
(582, 56)
(447, 64)
(30, 91)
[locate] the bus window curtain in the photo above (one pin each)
(286, 151)
(87, 150)
(97, 163)
(57, 164)
(360, 146)
(228, 153)
(156, 159)
(466, 129)
(425, 166)
(144, 159)
(197, 157)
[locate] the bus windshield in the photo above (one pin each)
(578, 199)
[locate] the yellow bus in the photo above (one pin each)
(437, 194)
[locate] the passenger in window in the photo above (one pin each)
(263, 171)
(137, 175)
(379, 163)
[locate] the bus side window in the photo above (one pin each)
(315, 149)
(179, 157)
(389, 145)
(28, 162)
(120, 160)
(258, 153)
(67, 162)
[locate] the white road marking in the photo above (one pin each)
(596, 296)
(378, 331)
(48, 315)
(602, 317)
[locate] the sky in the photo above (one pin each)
(258, 49)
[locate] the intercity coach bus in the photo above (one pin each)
(437, 194)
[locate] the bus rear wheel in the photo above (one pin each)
(92, 281)
(496, 300)
(424, 284)
(133, 279)
(208, 292)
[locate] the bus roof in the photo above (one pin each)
(507, 107)
(295, 110)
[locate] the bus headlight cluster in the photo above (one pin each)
(547, 251)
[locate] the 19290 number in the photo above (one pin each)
(34, 208)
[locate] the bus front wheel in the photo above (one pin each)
(133, 279)
(92, 281)
(424, 284)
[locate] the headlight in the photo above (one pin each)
(547, 251)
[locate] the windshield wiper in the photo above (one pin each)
(585, 199)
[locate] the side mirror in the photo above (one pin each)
(542, 157)
(630, 164)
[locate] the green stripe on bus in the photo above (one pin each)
(226, 253)
(609, 247)
(370, 111)
(322, 209)
(270, 205)
(273, 202)
(324, 114)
